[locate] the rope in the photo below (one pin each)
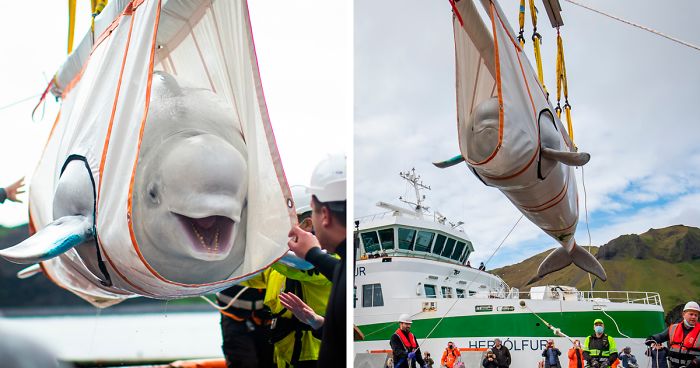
(562, 83)
(229, 303)
(19, 102)
(636, 25)
(615, 322)
(588, 228)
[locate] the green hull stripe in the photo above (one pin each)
(635, 324)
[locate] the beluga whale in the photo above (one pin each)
(188, 201)
(511, 139)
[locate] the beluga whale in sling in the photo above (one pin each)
(509, 136)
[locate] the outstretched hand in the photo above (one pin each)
(301, 310)
(14, 189)
(301, 241)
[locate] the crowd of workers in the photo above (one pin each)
(598, 350)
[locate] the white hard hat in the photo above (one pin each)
(302, 199)
(405, 318)
(328, 179)
(691, 306)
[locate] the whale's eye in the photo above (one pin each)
(153, 193)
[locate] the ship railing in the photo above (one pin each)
(376, 216)
(614, 296)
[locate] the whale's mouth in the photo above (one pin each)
(208, 235)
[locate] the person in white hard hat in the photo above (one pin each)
(682, 337)
(328, 211)
(404, 345)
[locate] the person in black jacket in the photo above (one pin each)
(502, 354)
(328, 205)
(490, 360)
(404, 346)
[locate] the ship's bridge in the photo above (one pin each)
(390, 234)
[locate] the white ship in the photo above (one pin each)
(411, 261)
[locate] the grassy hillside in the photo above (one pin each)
(665, 260)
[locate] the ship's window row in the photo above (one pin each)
(430, 292)
(408, 239)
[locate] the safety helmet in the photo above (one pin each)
(691, 306)
(405, 318)
(302, 199)
(329, 178)
(598, 320)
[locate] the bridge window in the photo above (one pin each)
(424, 240)
(372, 295)
(459, 248)
(439, 244)
(449, 247)
(460, 293)
(406, 237)
(386, 236)
(370, 241)
(446, 292)
(430, 291)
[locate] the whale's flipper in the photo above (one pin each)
(56, 238)
(560, 258)
(291, 260)
(566, 157)
(451, 162)
(28, 272)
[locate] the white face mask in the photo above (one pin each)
(688, 325)
(598, 329)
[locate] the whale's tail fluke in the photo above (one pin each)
(560, 258)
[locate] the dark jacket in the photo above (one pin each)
(556, 352)
(400, 353)
(489, 364)
(502, 356)
(658, 357)
(3, 195)
(333, 339)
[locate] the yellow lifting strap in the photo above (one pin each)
(521, 20)
(562, 84)
(537, 40)
(71, 24)
(96, 7)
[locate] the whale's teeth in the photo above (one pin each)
(214, 246)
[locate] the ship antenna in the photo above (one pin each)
(412, 178)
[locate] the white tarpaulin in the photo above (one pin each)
(206, 44)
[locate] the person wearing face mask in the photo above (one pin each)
(449, 357)
(404, 345)
(684, 347)
(576, 355)
(599, 349)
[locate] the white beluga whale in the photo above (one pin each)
(188, 202)
(510, 138)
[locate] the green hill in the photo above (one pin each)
(665, 260)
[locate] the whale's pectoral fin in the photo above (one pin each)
(53, 240)
(560, 258)
(291, 260)
(28, 272)
(565, 157)
(587, 262)
(451, 162)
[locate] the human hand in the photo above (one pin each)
(14, 189)
(301, 310)
(301, 241)
(412, 355)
